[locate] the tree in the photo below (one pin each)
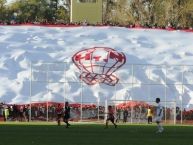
(2, 9)
(124, 12)
(185, 13)
(108, 10)
(63, 12)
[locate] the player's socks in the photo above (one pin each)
(67, 126)
(161, 129)
(159, 126)
(115, 125)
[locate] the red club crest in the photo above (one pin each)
(98, 64)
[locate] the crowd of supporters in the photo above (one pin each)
(43, 112)
(14, 112)
(129, 25)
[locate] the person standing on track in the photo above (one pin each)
(67, 114)
(110, 117)
(59, 112)
(149, 115)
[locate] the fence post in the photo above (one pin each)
(47, 93)
(165, 92)
(174, 113)
(132, 93)
(81, 98)
(115, 89)
(106, 109)
(181, 103)
(98, 104)
(65, 84)
(149, 84)
(30, 91)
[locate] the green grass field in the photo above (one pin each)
(92, 134)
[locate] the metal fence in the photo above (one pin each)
(59, 82)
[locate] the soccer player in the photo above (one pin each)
(110, 117)
(125, 115)
(59, 112)
(159, 116)
(67, 114)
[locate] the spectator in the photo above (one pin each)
(6, 113)
(59, 111)
(21, 113)
(149, 115)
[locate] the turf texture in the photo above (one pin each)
(92, 134)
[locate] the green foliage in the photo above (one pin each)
(150, 12)
(62, 15)
(34, 10)
(2, 9)
(2, 3)
(145, 12)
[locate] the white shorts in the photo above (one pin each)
(158, 119)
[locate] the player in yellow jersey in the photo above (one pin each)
(149, 115)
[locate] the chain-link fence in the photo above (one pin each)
(60, 82)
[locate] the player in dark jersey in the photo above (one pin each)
(110, 117)
(67, 114)
(59, 112)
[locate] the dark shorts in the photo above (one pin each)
(59, 116)
(66, 116)
(111, 118)
(21, 114)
